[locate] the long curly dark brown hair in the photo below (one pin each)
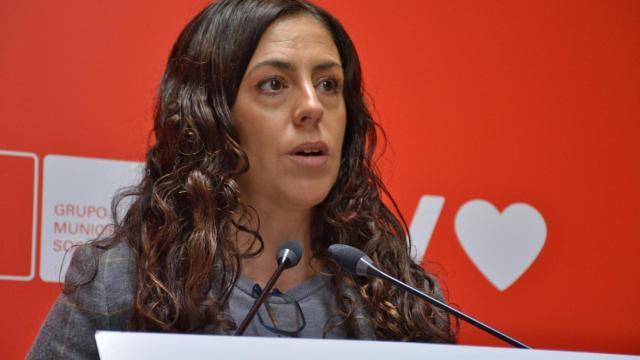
(180, 224)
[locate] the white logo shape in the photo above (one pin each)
(502, 246)
(423, 223)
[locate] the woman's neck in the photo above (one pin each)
(276, 227)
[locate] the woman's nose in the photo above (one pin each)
(309, 109)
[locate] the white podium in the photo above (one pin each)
(139, 346)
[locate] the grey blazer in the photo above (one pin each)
(105, 302)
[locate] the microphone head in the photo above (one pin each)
(289, 253)
(351, 259)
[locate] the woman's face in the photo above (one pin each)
(290, 115)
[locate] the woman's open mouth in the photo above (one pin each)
(310, 154)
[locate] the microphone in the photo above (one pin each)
(358, 263)
(287, 257)
(289, 254)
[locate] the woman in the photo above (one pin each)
(262, 136)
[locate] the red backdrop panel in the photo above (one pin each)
(17, 176)
(509, 102)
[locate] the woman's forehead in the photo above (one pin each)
(299, 37)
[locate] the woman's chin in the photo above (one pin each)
(305, 198)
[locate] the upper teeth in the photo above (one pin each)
(308, 151)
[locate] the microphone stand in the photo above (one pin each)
(372, 270)
(263, 296)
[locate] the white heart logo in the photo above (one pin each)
(502, 246)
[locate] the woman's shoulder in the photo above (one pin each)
(101, 276)
(97, 295)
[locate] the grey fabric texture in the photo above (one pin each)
(105, 301)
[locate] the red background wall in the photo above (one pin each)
(535, 102)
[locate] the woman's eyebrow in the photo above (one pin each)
(327, 65)
(278, 64)
(287, 66)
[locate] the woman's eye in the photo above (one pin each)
(328, 85)
(271, 85)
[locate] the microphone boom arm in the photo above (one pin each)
(263, 295)
(374, 271)
(287, 257)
